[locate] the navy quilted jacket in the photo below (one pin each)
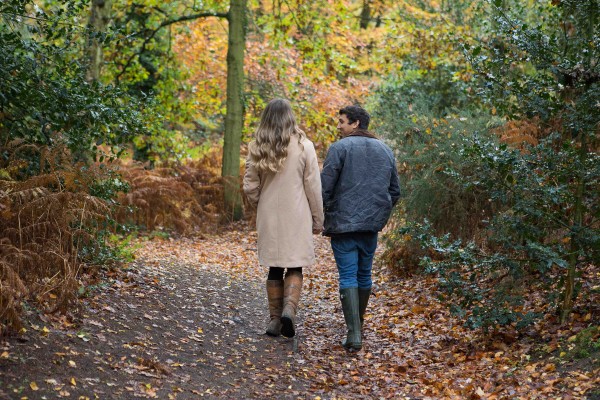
(360, 185)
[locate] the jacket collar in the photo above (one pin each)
(363, 133)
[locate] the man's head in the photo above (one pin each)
(352, 118)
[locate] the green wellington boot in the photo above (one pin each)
(350, 306)
(363, 301)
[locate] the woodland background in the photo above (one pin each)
(121, 117)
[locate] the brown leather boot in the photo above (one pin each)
(292, 287)
(275, 297)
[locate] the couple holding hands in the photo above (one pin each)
(350, 201)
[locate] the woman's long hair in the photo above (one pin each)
(268, 150)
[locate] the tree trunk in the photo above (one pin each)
(365, 15)
(569, 292)
(569, 295)
(234, 119)
(99, 19)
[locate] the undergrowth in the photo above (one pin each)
(181, 198)
(47, 220)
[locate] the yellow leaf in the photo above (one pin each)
(45, 330)
(52, 296)
(200, 330)
(33, 386)
(72, 363)
(550, 368)
(4, 354)
(73, 382)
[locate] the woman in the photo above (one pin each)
(282, 180)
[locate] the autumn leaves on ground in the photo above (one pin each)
(186, 319)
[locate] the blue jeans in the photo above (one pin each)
(353, 254)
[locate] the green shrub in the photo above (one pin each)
(425, 117)
(58, 133)
(535, 206)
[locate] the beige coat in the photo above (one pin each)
(289, 207)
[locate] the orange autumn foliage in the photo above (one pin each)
(46, 221)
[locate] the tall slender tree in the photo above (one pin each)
(234, 119)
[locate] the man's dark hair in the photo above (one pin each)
(357, 113)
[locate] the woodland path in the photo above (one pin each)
(186, 320)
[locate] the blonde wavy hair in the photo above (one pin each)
(268, 150)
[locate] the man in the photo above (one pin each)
(360, 188)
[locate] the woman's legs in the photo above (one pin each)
(282, 292)
(275, 299)
(292, 287)
(275, 274)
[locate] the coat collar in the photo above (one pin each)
(363, 133)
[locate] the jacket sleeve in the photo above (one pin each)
(251, 183)
(329, 176)
(312, 185)
(394, 188)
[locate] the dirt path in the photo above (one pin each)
(187, 321)
(168, 330)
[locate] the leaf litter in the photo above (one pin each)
(186, 319)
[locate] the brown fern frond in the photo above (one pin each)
(184, 198)
(520, 133)
(45, 220)
(44, 181)
(23, 196)
(12, 291)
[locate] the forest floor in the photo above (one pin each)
(186, 320)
